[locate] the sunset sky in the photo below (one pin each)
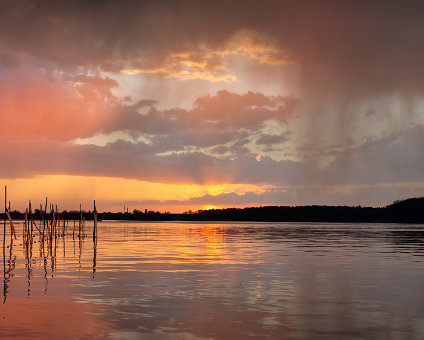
(177, 105)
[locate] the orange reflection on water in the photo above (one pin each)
(169, 245)
(213, 242)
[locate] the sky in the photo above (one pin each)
(178, 105)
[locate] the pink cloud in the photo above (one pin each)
(244, 110)
(219, 114)
(34, 105)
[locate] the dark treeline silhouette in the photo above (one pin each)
(406, 211)
(313, 213)
(64, 215)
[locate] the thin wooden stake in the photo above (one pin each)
(12, 228)
(80, 223)
(95, 221)
(5, 210)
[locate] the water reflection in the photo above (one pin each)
(219, 281)
(51, 320)
(47, 243)
(94, 256)
(8, 267)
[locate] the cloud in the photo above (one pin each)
(139, 161)
(188, 66)
(66, 107)
(35, 105)
(266, 139)
(213, 120)
(396, 172)
(213, 64)
(354, 47)
(51, 110)
(250, 109)
(396, 158)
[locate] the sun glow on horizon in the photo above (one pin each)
(112, 194)
(210, 207)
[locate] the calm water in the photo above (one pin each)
(218, 281)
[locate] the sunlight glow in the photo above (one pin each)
(212, 64)
(112, 194)
(210, 207)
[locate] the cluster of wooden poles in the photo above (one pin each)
(44, 227)
(50, 225)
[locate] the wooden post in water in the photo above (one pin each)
(30, 222)
(24, 236)
(55, 222)
(12, 228)
(83, 224)
(58, 222)
(51, 222)
(5, 210)
(80, 222)
(42, 221)
(44, 218)
(95, 221)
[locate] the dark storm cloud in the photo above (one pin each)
(139, 161)
(356, 47)
(395, 158)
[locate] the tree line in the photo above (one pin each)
(402, 211)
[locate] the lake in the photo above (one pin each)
(216, 281)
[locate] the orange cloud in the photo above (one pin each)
(213, 64)
(183, 66)
(250, 44)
